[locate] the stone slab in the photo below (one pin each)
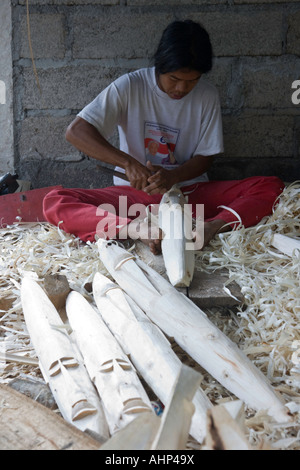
(206, 290)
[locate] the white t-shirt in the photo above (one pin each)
(152, 126)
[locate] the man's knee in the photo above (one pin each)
(51, 203)
(274, 184)
(269, 185)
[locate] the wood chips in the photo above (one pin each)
(266, 327)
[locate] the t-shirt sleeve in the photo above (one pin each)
(211, 132)
(105, 111)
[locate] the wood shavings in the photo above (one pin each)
(269, 318)
(265, 327)
(35, 250)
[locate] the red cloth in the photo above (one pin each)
(78, 209)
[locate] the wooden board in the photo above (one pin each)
(27, 204)
(27, 425)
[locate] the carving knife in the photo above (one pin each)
(113, 172)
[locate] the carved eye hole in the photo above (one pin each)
(122, 259)
(67, 362)
(81, 409)
(135, 405)
(125, 365)
(108, 366)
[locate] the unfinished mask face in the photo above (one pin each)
(112, 373)
(80, 406)
(113, 364)
(60, 365)
(66, 362)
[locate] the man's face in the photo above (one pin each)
(179, 83)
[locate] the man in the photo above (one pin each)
(169, 123)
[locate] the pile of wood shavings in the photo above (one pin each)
(43, 249)
(265, 327)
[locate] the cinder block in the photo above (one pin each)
(83, 174)
(293, 34)
(267, 82)
(243, 32)
(67, 87)
(118, 34)
(6, 89)
(258, 136)
(174, 2)
(225, 75)
(43, 137)
(47, 36)
(71, 2)
(263, 1)
(132, 35)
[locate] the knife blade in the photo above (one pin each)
(113, 172)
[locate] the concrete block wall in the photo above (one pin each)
(6, 90)
(81, 46)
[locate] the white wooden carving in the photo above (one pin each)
(175, 221)
(149, 349)
(116, 380)
(181, 319)
(139, 434)
(176, 419)
(288, 245)
(60, 364)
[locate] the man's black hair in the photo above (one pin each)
(184, 44)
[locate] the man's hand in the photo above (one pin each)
(86, 138)
(137, 174)
(160, 181)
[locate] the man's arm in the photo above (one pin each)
(86, 138)
(162, 180)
